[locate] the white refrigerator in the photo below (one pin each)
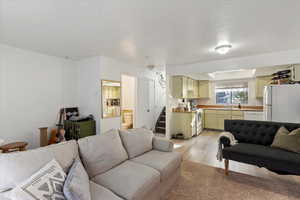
(282, 103)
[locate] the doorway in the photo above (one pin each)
(128, 101)
(146, 103)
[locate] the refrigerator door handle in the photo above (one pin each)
(267, 96)
(268, 113)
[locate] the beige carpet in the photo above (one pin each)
(201, 182)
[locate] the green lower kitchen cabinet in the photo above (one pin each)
(237, 114)
(214, 119)
(220, 121)
(182, 122)
(237, 117)
(210, 121)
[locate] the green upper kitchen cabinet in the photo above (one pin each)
(193, 88)
(190, 84)
(196, 89)
(204, 89)
(179, 87)
(185, 87)
(190, 88)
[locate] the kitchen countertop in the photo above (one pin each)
(249, 108)
(235, 109)
(193, 111)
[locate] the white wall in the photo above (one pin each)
(170, 103)
(89, 84)
(33, 87)
(128, 92)
(112, 69)
(92, 71)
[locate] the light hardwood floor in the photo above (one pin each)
(203, 149)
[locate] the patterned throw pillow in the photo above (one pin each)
(77, 184)
(46, 184)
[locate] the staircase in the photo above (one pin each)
(160, 126)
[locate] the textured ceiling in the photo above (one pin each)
(168, 31)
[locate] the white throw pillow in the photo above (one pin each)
(45, 184)
(77, 184)
(137, 141)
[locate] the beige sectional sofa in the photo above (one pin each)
(132, 165)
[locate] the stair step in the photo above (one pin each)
(160, 127)
(160, 130)
(159, 124)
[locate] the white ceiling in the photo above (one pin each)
(168, 31)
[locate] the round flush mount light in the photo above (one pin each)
(223, 49)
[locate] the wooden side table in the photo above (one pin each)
(15, 146)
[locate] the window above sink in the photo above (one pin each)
(234, 95)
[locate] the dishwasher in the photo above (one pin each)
(254, 115)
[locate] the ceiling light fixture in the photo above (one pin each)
(223, 49)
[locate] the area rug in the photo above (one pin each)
(201, 182)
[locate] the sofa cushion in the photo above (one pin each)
(289, 141)
(162, 144)
(18, 166)
(141, 130)
(264, 156)
(130, 180)
(164, 162)
(77, 186)
(102, 152)
(136, 141)
(99, 192)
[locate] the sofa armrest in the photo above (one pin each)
(162, 144)
(225, 141)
